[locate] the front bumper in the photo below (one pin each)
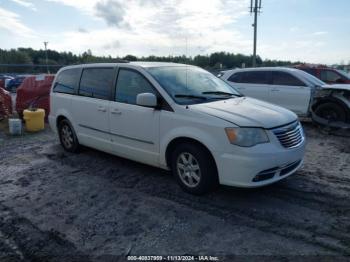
(258, 166)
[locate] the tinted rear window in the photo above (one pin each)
(67, 81)
(97, 82)
(253, 77)
(285, 79)
(236, 78)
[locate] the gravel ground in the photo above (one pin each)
(91, 206)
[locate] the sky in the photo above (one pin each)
(314, 31)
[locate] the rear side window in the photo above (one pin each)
(67, 81)
(236, 78)
(285, 79)
(253, 77)
(96, 82)
(256, 77)
(131, 83)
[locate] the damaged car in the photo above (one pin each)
(296, 90)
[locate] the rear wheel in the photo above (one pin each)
(331, 112)
(67, 136)
(194, 168)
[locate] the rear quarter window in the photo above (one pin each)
(67, 81)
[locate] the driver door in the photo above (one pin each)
(134, 129)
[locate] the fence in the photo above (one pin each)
(12, 69)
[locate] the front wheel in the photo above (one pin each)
(194, 168)
(331, 112)
(67, 136)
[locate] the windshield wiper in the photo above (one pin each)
(219, 93)
(190, 96)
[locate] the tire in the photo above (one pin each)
(68, 138)
(194, 169)
(331, 111)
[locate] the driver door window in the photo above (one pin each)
(131, 83)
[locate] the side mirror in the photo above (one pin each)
(146, 99)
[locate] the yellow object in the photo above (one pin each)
(34, 119)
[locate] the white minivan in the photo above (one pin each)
(176, 117)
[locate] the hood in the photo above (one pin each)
(337, 87)
(247, 112)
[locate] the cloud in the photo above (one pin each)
(113, 45)
(112, 12)
(159, 27)
(11, 23)
(320, 33)
(26, 4)
(82, 30)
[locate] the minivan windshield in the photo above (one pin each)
(192, 85)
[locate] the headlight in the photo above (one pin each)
(246, 137)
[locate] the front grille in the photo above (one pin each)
(290, 136)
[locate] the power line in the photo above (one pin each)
(255, 7)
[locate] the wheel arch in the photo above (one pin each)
(332, 99)
(60, 115)
(183, 139)
(59, 119)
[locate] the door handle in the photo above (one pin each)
(240, 88)
(116, 112)
(275, 90)
(101, 109)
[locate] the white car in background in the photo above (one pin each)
(176, 117)
(293, 89)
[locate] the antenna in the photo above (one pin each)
(255, 7)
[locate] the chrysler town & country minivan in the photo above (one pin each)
(176, 117)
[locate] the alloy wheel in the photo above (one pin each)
(188, 169)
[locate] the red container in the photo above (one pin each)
(34, 92)
(5, 103)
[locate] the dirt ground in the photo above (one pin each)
(93, 206)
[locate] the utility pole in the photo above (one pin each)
(47, 60)
(255, 7)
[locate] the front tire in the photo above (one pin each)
(194, 168)
(331, 112)
(67, 136)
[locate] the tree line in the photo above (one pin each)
(28, 60)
